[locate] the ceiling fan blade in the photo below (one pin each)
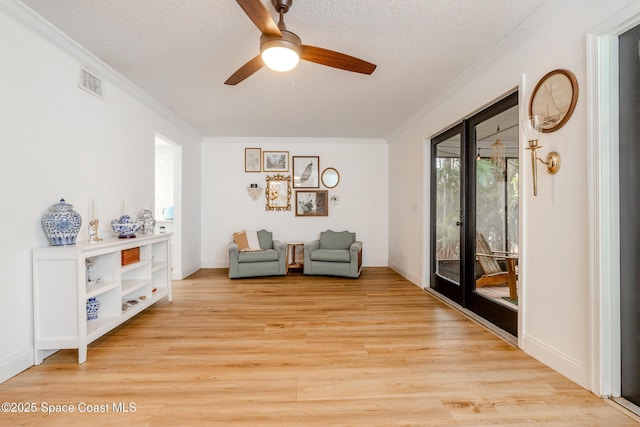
(336, 60)
(245, 71)
(259, 14)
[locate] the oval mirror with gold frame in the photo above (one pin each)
(330, 177)
(554, 98)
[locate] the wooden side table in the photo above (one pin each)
(292, 261)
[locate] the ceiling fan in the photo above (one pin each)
(277, 40)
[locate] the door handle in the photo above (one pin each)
(459, 224)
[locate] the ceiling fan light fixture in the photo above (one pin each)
(277, 43)
(281, 54)
(280, 58)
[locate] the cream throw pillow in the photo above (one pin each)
(254, 243)
(247, 240)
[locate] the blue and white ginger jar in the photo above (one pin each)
(61, 224)
(93, 305)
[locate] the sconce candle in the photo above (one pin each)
(94, 209)
(532, 129)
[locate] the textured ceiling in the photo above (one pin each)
(181, 51)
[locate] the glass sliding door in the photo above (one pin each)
(474, 205)
(447, 191)
(493, 292)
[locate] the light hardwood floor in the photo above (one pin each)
(298, 351)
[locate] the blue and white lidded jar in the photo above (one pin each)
(61, 224)
(93, 305)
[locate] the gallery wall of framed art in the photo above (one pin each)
(304, 174)
(355, 180)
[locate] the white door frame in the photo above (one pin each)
(604, 206)
(176, 239)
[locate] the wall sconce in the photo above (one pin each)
(254, 191)
(532, 129)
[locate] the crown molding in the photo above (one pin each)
(288, 140)
(27, 17)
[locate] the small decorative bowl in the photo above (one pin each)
(124, 227)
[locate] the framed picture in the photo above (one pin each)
(312, 203)
(253, 160)
(278, 193)
(275, 161)
(306, 172)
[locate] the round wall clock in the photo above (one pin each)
(554, 98)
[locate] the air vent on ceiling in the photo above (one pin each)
(90, 82)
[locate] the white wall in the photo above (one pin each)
(59, 141)
(554, 302)
(226, 206)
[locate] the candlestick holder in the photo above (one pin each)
(93, 231)
(532, 129)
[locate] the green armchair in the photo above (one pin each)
(334, 254)
(271, 260)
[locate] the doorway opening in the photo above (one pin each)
(613, 58)
(629, 181)
(168, 197)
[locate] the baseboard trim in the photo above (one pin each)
(16, 364)
(413, 279)
(186, 272)
(565, 365)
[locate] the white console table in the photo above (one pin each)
(62, 283)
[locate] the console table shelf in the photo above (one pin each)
(135, 266)
(129, 286)
(157, 266)
(94, 289)
(65, 277)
